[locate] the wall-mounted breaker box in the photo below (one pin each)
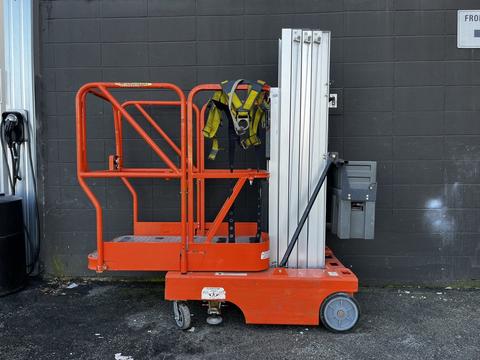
(353, 204)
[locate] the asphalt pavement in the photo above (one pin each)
(131, 321)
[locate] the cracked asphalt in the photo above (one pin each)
(131, 321)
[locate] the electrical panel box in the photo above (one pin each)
(353, 203)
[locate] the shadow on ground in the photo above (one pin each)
(132, 321)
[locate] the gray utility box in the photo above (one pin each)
(353, 203)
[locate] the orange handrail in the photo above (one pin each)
(190, 170)
(100, 89)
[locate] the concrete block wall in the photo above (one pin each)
(408, 98)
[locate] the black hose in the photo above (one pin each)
(36, 255)
(14, 146)
(5, 157)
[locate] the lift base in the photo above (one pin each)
(274, 296)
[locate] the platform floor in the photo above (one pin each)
(176, 239)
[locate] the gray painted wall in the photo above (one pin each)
(408, 99)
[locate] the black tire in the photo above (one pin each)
(347, 304)
(182, 315)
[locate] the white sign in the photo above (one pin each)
(468, 29)
(213, 293)
(265, 255)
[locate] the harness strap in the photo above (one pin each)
(231, 221)
(258, 235)
(244, 116)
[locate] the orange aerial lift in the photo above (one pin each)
(200, 264)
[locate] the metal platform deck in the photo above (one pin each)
(177, 239)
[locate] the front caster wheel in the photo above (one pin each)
(183, 318)
(340, 312)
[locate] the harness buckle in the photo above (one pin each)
(241, 123)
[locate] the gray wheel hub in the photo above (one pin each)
(341, 313)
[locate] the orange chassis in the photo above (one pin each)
(189, 249)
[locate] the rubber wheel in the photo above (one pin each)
(182, 315)
(340, 312)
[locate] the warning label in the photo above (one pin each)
(213, 293)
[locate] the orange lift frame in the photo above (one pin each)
(164, 256)
(199, 267)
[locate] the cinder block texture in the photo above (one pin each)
(408, 98)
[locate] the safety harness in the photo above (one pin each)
(244, 117)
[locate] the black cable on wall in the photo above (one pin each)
(14, 134)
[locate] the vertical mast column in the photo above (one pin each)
(299, 139)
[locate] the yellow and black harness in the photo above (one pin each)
(244, 120)
(244, 117)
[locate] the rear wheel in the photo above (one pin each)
(183, 318)
(340, 312)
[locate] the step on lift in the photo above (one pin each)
(200, 264)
